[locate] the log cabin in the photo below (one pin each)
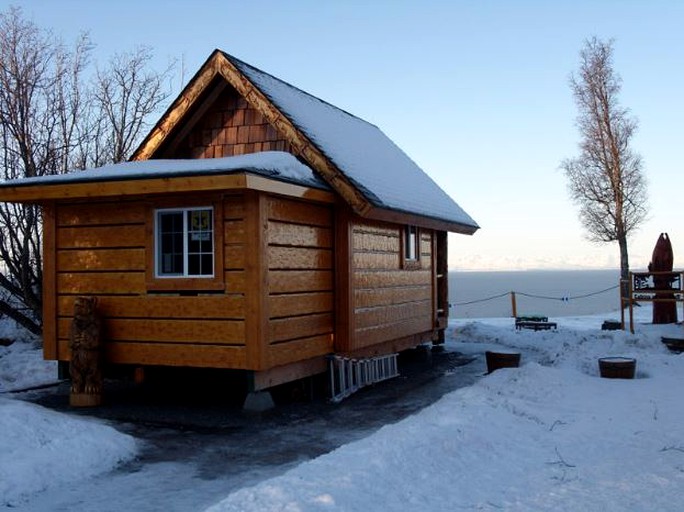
(256, 228)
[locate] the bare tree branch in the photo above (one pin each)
(52, 121)
(126, 93)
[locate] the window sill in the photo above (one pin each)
(412, 265)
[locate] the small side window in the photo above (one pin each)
(411, 248)
(411, 244)
(184, 240)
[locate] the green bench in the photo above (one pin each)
(535, 322)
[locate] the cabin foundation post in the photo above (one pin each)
(139, 375)
(63, 370)
(258, 401)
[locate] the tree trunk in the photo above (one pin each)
(624, 270)
(25, 321)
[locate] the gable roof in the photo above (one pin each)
(371, 173)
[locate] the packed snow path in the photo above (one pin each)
(192, 456)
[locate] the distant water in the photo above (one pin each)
(554, 284)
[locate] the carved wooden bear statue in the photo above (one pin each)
(84, 342)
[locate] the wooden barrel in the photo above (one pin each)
(496, 360)
(617, 367)
(674, 344)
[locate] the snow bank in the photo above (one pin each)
(22, 366)
(21, 363)
(548, 435)
(40, 449)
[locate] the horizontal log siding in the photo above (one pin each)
(230, 127)
(389, 302)
(100, 251)
(300, 276)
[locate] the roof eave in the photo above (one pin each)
(399, 217)
(142, 186)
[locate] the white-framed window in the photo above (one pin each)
(184, 242)
(411, 243)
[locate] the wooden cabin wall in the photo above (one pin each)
(230, 127)
(388, 301)
(300, 280)
(100, 251)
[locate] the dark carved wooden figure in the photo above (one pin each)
(662, 261)
(86, 354)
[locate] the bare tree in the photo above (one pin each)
(126, 93)
(51, 121)
(606, 179)
(39, 108)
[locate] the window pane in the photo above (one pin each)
(411, 243)
(200, 242)
(199, 221)
(178, 263)
(193, 243)
(207, 264)
(170, 243)
(206, 245)
(194, 265)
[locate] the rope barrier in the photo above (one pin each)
(480, 300)
(534, 296)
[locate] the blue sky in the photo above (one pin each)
(476, 92)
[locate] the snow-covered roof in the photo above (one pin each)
(377, 167)
(276, 165)
(345, 153)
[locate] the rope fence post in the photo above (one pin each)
(514, 308)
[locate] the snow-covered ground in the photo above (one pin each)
(41, 449)
(21, 364)
(548, 435)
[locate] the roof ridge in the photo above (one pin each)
(234, 59)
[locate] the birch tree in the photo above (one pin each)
(606, 179)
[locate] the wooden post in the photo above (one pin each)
(344, 340)
(681, 287)
(622, 286)
(441, 279)
(630, 293)
(257, 274)
(49, 281)
(514, 308)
